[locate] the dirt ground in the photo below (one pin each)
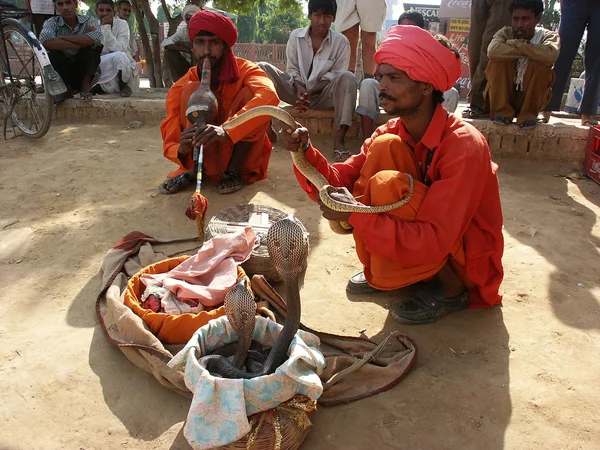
(523, 376)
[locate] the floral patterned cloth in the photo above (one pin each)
(220, 408)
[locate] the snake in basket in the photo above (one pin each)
(288, 248)
(312, 174)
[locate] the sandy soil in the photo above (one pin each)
(524, 376)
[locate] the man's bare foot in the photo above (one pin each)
(587, 120)
(340, 153)
(125, 91)
(546, 115)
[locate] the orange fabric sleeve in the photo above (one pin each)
(264, 94)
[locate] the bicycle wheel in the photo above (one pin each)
(27, 102)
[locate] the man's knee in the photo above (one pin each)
(368, 38)
(347, 80)
(387, 140)
(369, 87)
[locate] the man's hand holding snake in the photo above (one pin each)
(342, 195)
(293, 140)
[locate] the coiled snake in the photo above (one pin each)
(313, 175)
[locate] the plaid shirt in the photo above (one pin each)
(57, 27)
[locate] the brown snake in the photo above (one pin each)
(312, 174)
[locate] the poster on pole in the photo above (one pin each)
(461, 42)
(459, 9)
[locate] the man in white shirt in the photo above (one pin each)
(41, 10)
(124, 12)
(118, 70)
(316, 78)
(178, 48)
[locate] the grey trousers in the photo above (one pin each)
(339, 94)
(576, 15)
(487, 17)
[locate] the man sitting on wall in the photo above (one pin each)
(230, 158)
(178, 47)
(74, 43)
(118, 70)
(124, 12)
(316, 75)
(519, 73)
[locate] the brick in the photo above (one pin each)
(507, 145)
(521, 145)
(536, 148)
(495, 141)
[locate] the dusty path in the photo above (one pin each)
(524, 376)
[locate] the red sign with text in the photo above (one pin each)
(461, 42)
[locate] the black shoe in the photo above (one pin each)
(428, 305)
(357, 284)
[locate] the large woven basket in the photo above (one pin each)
(281, 428)
(259, 262)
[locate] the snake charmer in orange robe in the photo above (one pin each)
(252, 88)
(454, 214)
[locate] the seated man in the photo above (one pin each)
(449, 233)
(368, 98)
(74, 43)
(239, 85)
(118, 70)
(317, 59)
(519, 73)
(178, 47)
(124, 12)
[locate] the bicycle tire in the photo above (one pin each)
(36, 55)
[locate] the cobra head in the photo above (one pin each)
(240, 307)
(288, 247)
(202, 105)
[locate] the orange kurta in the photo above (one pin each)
(253, 88)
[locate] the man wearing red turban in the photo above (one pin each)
(449, 233)
(230, 158)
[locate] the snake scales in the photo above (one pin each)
(312, 174)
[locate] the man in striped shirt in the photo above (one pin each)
(74, 44)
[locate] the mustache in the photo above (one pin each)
(386, 96)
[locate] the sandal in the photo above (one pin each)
(473, 112)
(589, 123)
(528, 124)
(175, 184)
(341, 155)
(230, 178)
(428, 305)
(501, 120)
(86, 96)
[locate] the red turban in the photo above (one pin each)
(416, 52)
(224, 29)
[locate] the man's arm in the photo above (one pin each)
(61, 44)
(546, 52)
(503, 49)
(179, 41)
(116, 38)
(292, 66)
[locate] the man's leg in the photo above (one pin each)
(87, 61)
(537, 88)
(501, 89)
(368, 105)
(341, 95)
(499, 16)
(352, 36)
(282, 82)
(372, 15)
(177, 64)
(369, 42)
(572, 26)
(63, 66)
(591, 94)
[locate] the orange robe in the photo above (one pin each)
(454, 215)
(253, 88)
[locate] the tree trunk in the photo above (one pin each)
(139, 17)
(155, 43)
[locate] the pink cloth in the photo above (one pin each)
(416, 52)
(209, 275)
